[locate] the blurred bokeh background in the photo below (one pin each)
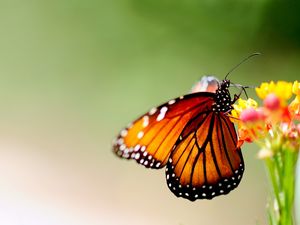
(73, 73)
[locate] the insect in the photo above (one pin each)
(193, 138)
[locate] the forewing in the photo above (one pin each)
(150, 139)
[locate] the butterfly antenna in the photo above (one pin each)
(244, 60)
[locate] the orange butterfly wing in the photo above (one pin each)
(150, 139)
(206, 162)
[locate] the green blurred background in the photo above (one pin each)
(73, 73)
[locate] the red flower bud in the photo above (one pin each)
(250, 115)
(272, 102)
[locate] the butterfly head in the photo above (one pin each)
(224, 84)
(223, 101)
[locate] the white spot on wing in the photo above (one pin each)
(160, 117)
(120, 141)
(124, 133)
(137, 147)
(122, 147)
(162, 113)
(145, 121)
(137, 156)
(140, 134)
(171, 102)
(152, 111)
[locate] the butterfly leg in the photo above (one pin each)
(237, 96)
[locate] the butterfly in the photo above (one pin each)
(193, 137)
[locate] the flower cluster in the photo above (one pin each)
(275, 127)
(276, 121)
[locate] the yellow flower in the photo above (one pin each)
(284, 90)
(294, 107)
(296, 88)
(281, 89)
(265, 89)
(241, 105)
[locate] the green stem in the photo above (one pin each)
(281, 169)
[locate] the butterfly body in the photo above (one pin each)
(194, 138)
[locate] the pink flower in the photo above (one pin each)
(272, 102)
